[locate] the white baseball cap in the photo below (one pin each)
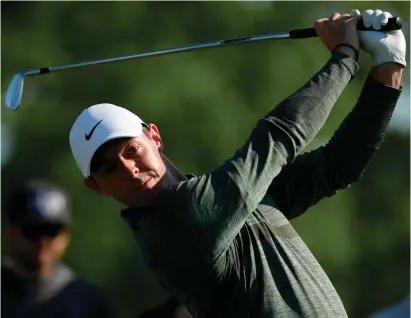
(95, 126)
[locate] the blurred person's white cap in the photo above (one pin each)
(95, 126)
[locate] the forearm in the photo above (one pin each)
(389, 74)
(327, 169)
(360, 135)
(302, 114)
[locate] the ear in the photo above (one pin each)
(155, 136)
(94, 186)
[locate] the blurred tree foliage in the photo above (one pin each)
(205, 104)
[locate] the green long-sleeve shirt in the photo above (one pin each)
(222, 241)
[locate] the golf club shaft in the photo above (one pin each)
(394, 23)
(192, 47)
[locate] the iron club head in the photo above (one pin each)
(15, 91)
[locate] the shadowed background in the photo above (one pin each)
(205, 104)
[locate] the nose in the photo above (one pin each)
(129, 166)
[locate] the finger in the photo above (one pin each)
(367, 18)
(345, 16)
(384, 17)
(335, 16)
(355, 13)
(320, 22)
(354, 19)
(376, 23)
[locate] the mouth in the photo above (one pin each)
(144, 184)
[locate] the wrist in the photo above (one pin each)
(347, 49)
(387, 57)
(389, 74)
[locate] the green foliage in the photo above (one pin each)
(205, 104)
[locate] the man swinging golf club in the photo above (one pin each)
(221, 242)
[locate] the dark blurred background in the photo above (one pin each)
(205, 104)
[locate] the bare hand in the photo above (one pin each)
(338, 29)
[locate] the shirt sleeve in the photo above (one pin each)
(222, 199)
(343, 160)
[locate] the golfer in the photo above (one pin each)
(221, 242)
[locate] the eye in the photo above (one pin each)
(134, 150)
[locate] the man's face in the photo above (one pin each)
(129, 169)
(37, 246)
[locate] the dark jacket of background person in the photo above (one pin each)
(35, 282)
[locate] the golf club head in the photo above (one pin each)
(15, 91)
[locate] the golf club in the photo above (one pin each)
(15, 90)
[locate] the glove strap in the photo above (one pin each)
(350, 46)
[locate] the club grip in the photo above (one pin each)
(393, 24)
(302, 33)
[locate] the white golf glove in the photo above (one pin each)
(384, 47)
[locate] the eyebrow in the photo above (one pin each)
(100, 158)
(103, 159)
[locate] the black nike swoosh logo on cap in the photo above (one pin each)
(88, 136)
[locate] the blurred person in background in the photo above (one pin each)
(35, 282)
(222, 242)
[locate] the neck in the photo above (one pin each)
(173, 175)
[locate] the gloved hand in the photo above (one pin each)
(384, 47)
